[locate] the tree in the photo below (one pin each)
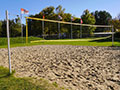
(60, 10)
(3, 32)
(102, 17)
(67, 17)
(88, 18)
(48, 12)
(116, 24)
(15, 28)
(35, 27)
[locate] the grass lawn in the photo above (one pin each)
(10, 82)
(17, 42)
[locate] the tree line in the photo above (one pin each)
(14, 25)
(52, 13)
(93, 18)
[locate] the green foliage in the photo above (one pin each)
(67, 17)
(15, 28)
(60, 11)
(102, 17)
(88, 18)
(48, 12)
(55, 84)
(3, 32)
(116, 24)
(35, 27)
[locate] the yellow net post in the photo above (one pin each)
(26, 31)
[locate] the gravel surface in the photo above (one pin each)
(74, 67)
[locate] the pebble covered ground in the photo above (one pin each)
(74, 67)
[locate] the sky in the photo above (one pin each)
(75, 7)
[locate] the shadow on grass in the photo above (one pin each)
(4, 72)
(10, 82)
(109, 39)
(6, 75)
(103, 40)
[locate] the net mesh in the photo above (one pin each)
(51, 29)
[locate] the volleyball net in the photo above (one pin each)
(53, 29)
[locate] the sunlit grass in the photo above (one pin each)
(17, 42)
(10, 82)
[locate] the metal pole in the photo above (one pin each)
(80, 31)
(43, 29)
(21, 26)
(26, 31)
(59, 30)
(71, 30)
(8, 37)
(112, 35)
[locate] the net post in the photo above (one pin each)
(112, 35)
(59, 30)
(80, 31)
(8, 37)
(43, 28)
(71, 30)
(21, 27)
(26, 31)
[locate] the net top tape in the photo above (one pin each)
(68, 22)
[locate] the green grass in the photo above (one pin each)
(10, 82)
(80, 43)
(17, 42)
